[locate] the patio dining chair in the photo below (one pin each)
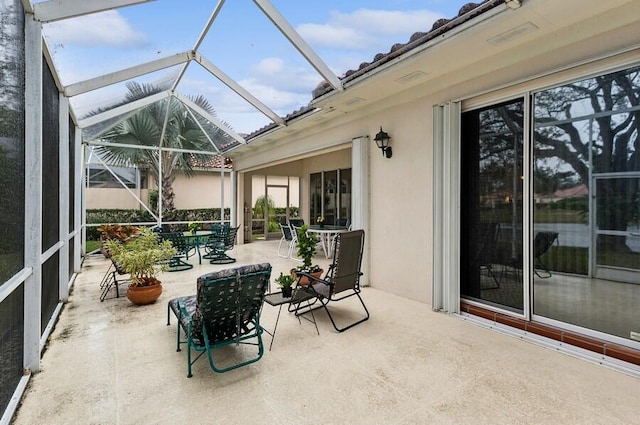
(225, 311)
(289, 239)
(221, 240)
(342, 280)
(294, 221)
(488, 253)
(179, 242)
(541, 244)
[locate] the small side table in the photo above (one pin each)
(298, 296)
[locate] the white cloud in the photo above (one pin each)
(269, 66)
(365, 28)
(99, 29)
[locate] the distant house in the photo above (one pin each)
(577, 191)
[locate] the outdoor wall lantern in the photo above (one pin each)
(382, 140)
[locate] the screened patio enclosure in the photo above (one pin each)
(162, 106)
(87, 90)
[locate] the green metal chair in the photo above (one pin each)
(342, 279)
(225, 311)
(177, 239)
(221, 240)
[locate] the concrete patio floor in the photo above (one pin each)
(115, 363)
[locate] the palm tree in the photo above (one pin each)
(147, 128)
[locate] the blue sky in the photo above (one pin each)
(242, 42)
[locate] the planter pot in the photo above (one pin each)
(286, 292)
(304, 281)
(142, 295)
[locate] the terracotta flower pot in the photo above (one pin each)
(142, 295)
(304, 281)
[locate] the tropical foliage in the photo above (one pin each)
(165, 124)
(144, 256)
(307, 249)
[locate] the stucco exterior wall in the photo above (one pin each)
(114, 198)
(203, 190)
(565, 42)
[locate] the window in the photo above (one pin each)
(330, 196)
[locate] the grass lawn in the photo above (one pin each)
(545, 215)
(570, 259)
(93, 245)
(567, 259)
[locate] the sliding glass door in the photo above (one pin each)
(492, 205)
(581, 248)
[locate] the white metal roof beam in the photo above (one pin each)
(55, 10)
(298, 42)
(123, 109)
(199, 41)
(27, 6)
(206, 28)
(150, 148)
(114, 174)
(215, 121)
(229, 82)
(126, 74)
(197, 121)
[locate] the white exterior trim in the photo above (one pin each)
(33, 192)
(360, 177)
(446, 206)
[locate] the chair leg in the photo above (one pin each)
(541, 270)
(222, 258)
(109, 281)
(326, 301)
(280, 246)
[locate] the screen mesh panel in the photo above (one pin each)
(11, 344)
(12, 165)
(50, 159)
(72, 161)
(50, 288)
(11, 139)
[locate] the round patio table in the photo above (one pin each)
(197, 240)
(326, 234)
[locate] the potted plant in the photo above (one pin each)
(143, 257)
(114, 231)
(193, 227)
(320, 221)
(306, 250)
(285, 282)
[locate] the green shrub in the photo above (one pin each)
(101, 216)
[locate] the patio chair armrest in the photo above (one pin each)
(319, 291)
(312, 278)
(183, 311)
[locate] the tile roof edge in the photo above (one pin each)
(441, 26)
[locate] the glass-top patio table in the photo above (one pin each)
(196, 240)
(326, 234)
